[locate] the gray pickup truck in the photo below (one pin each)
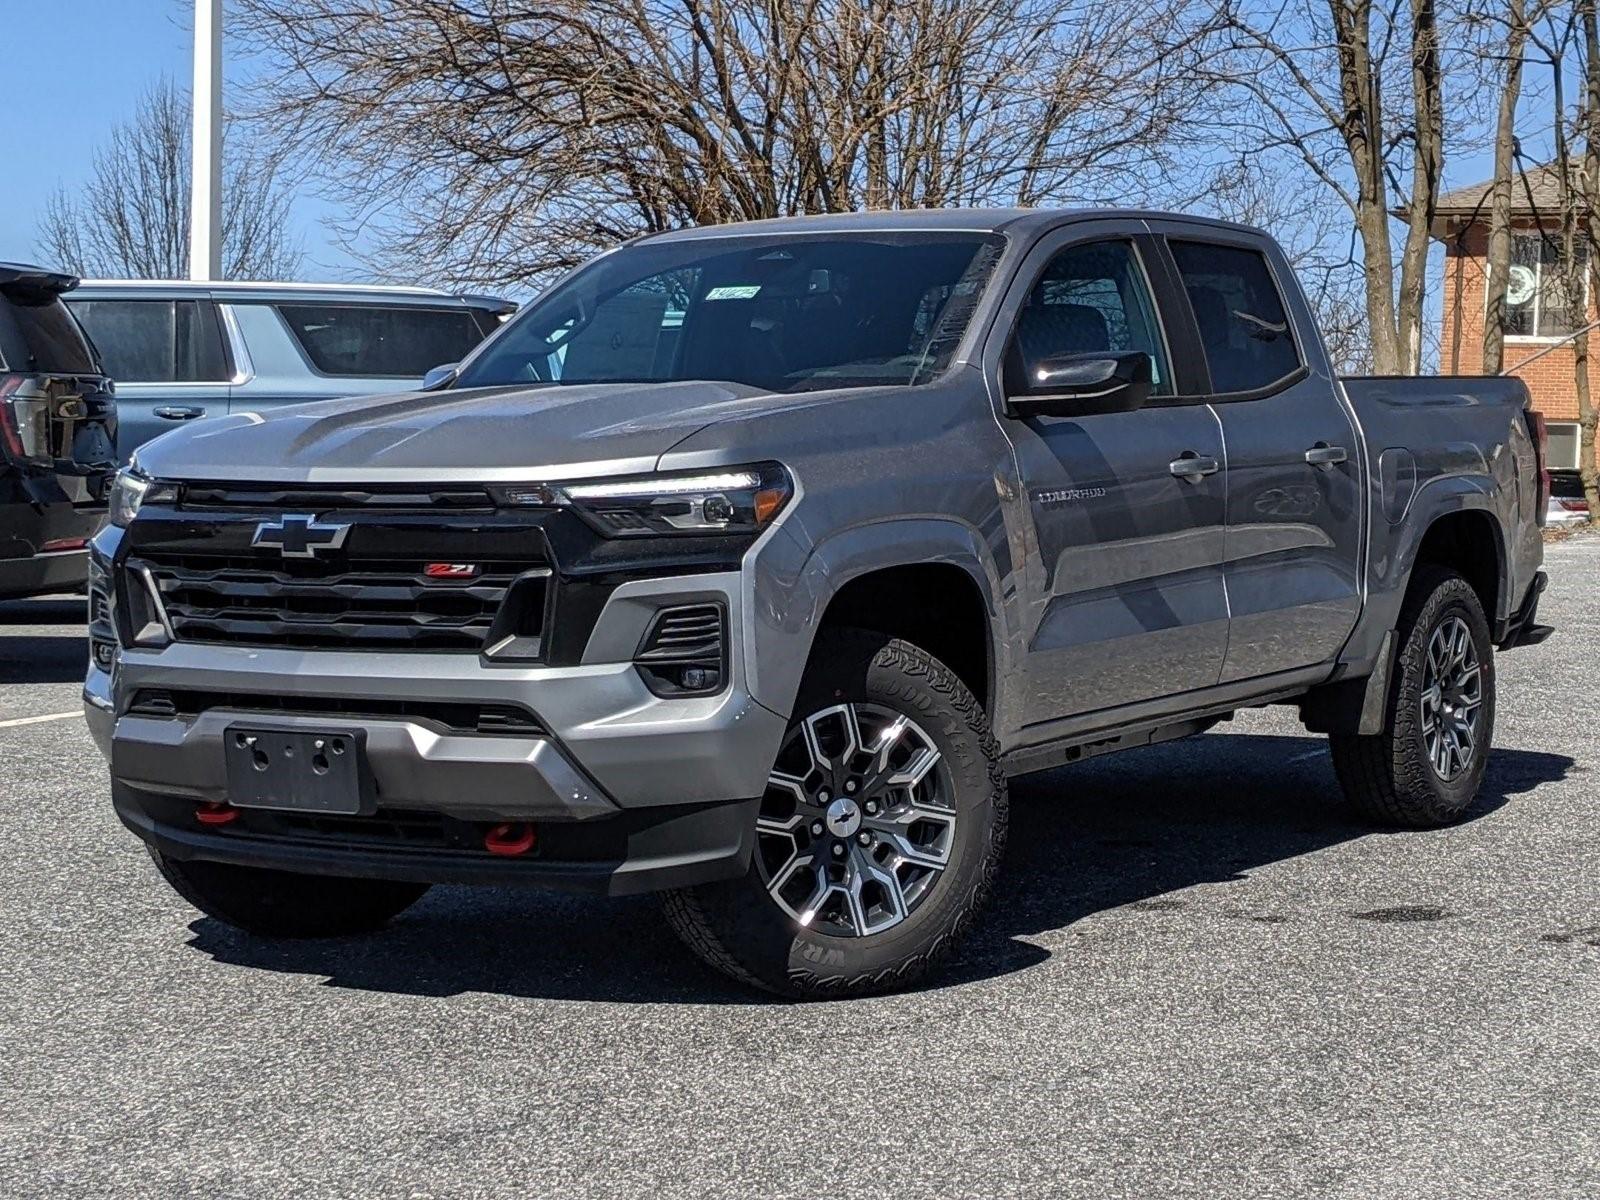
(748, 563)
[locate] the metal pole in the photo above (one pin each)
(205, 199)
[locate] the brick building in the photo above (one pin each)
(1538, 316)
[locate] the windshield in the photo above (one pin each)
(781, 313)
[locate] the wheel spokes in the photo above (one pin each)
(864, 870)
(895, 828)
(1451, 702)
(855, 826)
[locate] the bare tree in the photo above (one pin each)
(495, 142)
(1570, 34)
(1318, 240)
(1510, 29)
(1586, 199)
(1354, 92)
(132, 218)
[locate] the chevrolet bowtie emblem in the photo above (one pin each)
(299, 536)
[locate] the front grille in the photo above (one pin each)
(454, 716)
(347, 604)
(222, 497)
(386, 828)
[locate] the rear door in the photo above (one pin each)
(1294, 485)
(1124, 510)
(167, 356)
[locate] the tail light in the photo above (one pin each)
(10, 433)
(1541, 457)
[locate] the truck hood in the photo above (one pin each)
(479, 434)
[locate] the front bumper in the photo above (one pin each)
(42, 574)
(629, 791)
(639, 850)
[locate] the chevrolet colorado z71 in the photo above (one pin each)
(748, 563)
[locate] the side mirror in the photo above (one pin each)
(1076, 385)
(440, 377)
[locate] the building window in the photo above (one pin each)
(1561, 453)
(1537, 305)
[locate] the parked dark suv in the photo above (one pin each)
(58, 428)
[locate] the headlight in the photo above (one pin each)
(733, 501)
(127, 494)
(129, 491)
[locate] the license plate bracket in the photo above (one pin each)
(298, 770)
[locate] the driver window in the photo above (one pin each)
(1090, 298)
(632, 335)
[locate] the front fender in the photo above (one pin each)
(790, 604)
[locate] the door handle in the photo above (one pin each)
(1193, 467)
(1324, 455)
(179, 412)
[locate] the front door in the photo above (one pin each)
(1125, 594)
(1294, 485)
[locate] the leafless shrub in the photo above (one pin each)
(496, 141)
(131, 220)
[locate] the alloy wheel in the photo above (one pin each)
(858, 820)
(1452, 698)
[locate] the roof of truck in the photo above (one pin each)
(929, 220)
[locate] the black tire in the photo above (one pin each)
(1388, 777)
(285, 904)
(739, 928)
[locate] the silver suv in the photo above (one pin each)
(182, 351)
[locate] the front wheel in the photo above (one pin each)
(1426, 767)
(878, 837)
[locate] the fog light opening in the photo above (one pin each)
(211, 813)
(510, 840)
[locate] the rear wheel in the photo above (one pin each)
(1426, 767)
(878, 837)
(285, 904)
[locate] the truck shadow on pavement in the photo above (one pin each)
(1125, 830)
(29, 656)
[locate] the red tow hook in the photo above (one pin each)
(212, 813)
(509, 840)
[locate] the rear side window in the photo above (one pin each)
(38, 334)
(1240, 313)
(371, 340)
(156, 341)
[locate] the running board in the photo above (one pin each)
(1044, 758)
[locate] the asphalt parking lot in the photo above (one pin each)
(1198, 978)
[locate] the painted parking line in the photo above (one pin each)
(40, 720)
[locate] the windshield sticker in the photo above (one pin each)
(742, 291)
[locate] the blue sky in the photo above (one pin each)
(101, 55)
